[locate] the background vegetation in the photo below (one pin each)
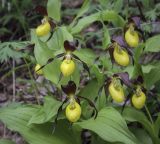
(29, 102)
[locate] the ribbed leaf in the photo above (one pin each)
(86, 55)
(5, 141)
(54, 9)
(110, 126)
(42, 54)
(142, 135)
(110, 16)
(57, 40)
(106, 38)
(152, 77)
(46, 112)
(153, 44)
(17, 119)
(82, 11)
(133, 115)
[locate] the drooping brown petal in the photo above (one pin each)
(120, 40)
(52, 23)
(124, 77)
(127, 99)
(69, 46)
(110, 50)
(136, 20)
(41, 10)
(70, 88)
(85, 66)
(138, 81)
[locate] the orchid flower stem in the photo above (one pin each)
(149, 115)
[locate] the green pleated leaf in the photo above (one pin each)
(5, 141)
(147, 68)
(157, 124)
(56, 42)
(138, 52)
(113, 17)
(16, 119)
(47, 112)
(86, 55)
(106, 38)
(118, 5)
(110, 16)
(90, 90)
(110, 126)
(84, 8)
(98, 74)
(84, 22)
(153, 44)
(142, 135)
(101, 101)
(42, 54)
(133, 115)
(152, 77)
(54, 9)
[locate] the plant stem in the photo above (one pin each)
(14, 81)
(4, 131)
(150, 23)
(34, 86)
(14, 69)
(149, 115)
(140, 10)
(127, 7)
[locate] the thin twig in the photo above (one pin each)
(34, 86)
(14, 81)
(140, 10)
(127, 8)
(149, 115)
(150, 23)
(4, 131)
(15, 69)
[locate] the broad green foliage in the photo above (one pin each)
(90, 90)
(60, 35)
(110, 16)
(142, 136)
(101, 102)
(46, 112)
(157, 124)
(153, 44)
(54, 9)
(5, 141)
(42, 49)
(82, 11)
(17, 119)
(110, 126)
(106, 38)
(86, 55)
(152, 77)
(132, 115)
